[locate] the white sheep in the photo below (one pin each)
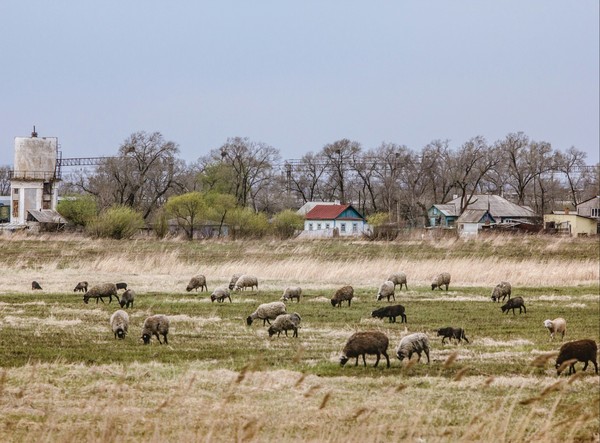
(233, 281)
(558, 325)
(119, 323)
(291, 293)
(198, 281)
(266, 312)
(155, 325)
(413, 343)
(399, 278)
(246, 281)
(386, 290)
(440, 280)
(284, 323)
(220, 294)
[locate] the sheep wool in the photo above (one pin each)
(284, 323)
(386, 290)
(246, 281)
(198, 281)
(220, 294)
(127, 298)
(100, 291)
(366, 342)
(440, 280)
(291, 293)
(345, 293)
(413, 343)
(155, 325)
(119, 323)
(398, 278)
(556, 326)
(267, 312)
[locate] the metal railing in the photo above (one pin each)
(32, 175)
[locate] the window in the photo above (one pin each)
(354, 227)
(595, 212)
(310, 226)
(343, 227)
(318, 226)
(326, 225)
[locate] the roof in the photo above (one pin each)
(498, 206)
(47, 216)
(331, 212)
(472, 216)
(308, 206)
(447, 209)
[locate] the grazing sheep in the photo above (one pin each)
(35, 285)
(284, 323)
(579, 350)
(558, 325)
(440, 280)
(413, 343)
(366, 342)
(199, 281)
(246, 281)
(220, 294)
(127, 298)
(233, 281)
(100, 291)
(398, 278)
(514, 303)
(452, 333)
(155, 325)
(345, 293)
(502, 289)
(386, 290)
(82, 286)
(291, 293)
(121, 285)
(391, 312)
(119, 322)
(266, 312)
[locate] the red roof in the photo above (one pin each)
(328, 212)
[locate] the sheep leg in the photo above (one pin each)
(525, 309)
(166, 341)
(157, 337)
(349, 302)
(295, 332)
(444, 340)
(595, 365)
(377, 361)
(387, 358)
(356, 363)
(585, 365)
(466, 339)
(427, 354)
(364, 360)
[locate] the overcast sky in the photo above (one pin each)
(298, 75)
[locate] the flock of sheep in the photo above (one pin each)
(360, 343)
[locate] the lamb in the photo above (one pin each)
(82, 286)
(386, 290)
(514, 303)
(155, 325)
(199, 281)
(119, 322)
(284, 323)
(391, 312)
(440, 280)
(398, 278)
(220, 294)
(127, 298)
(558, 325)
(452, 333)
(345, 293)
(121, 285)
(291, 293)
(266, 312)
(246, 281)
(502, 289)
(234, 280)
(35, 285)
(413, 343)
(366, 342)
(579, 350)
(100, 291)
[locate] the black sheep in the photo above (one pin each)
(452, 333)
(391, 312)
(513, 304)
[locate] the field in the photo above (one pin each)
(63, 376)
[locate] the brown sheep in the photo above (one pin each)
(345, 293)
(579, 350)
(366, 342)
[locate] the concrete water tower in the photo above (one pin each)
(33, 180)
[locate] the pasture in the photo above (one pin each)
(64, 377)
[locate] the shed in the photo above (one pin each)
(568, 223)
(472, 220)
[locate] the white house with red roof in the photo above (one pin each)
(327, 220)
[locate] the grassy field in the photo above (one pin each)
(64, 377)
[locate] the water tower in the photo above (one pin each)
(34, 178)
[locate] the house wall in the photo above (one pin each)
(468, 229)
(575, 224)
(346, 228)
(590, 208)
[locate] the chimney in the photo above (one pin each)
(33, 133)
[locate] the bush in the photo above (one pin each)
(117, 222)
(78, 209)
(286, 223)
(245, 223)
(161, 224)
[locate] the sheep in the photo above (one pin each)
(127, 298)
(284, 323)
(100, 291)
(502, 289)
(35, 285)
(198, 281)
(398, 278)
(119, 322)
(558, 325)
(452, 333)
(291, 293)
(246, 281)
(345, 293)
(391, 312)
(155, 325)
(440, 280)
(220, 294)
(266, 312)
(233, 281)
(386, 290)
(121, 285)
(514, 303)
(579, 350)
(366, 342)
(417, 342)
(82, 286)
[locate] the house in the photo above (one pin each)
(471, 221)
(329, 220)
(306, 207)
(570, 223)
(591, 208)
(501, 210)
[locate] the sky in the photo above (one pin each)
(298, 75)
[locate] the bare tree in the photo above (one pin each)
(4, 180)
(339, 155)
(572, 164)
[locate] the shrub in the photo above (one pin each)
(286, 223)
(116, 222)
(245, 223)
(78, 209)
